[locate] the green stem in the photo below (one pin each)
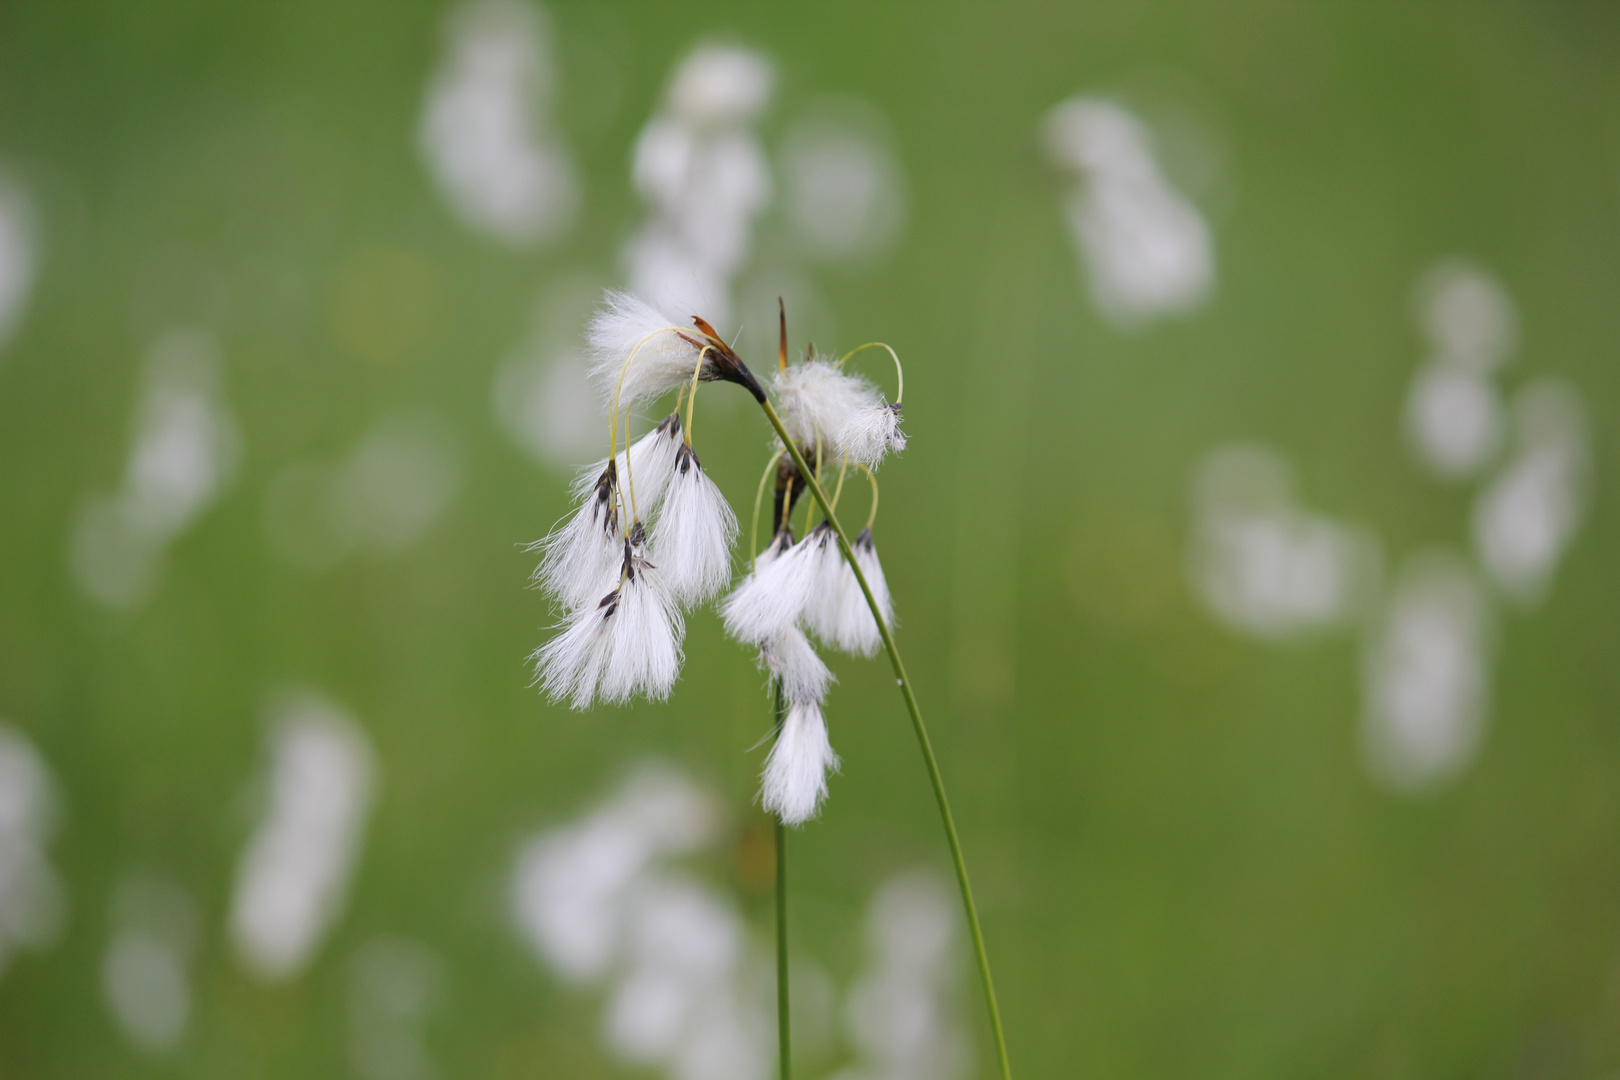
(783, 1041)
(922, 739)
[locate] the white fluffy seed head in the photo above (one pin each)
(579, 556)
(795, 779)
(625, 643)
(844, 413)
(692, 538)
(663, 361)
(793, 662)
(770, 599)
(569, 666)
(646, 632)
(865, 638)
(646, 466)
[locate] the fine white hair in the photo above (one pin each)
(793, 663)
(795, 779)
(692, 538)
(644, 469)
(843, 414)
(646, 633)
(665, 356)
(838, 613)
(770, 600)
(629, 642)
(578, 559)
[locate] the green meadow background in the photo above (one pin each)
(1184, 866)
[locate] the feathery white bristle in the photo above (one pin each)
(792, 661)
(645, 467)
(844, 412)
(770, 599)
(858, 631)
(795, 779)
(579, 555)
(662, 362)
(570, 664)
(645, 633)
(692, 538)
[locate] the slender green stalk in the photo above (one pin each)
(922, 739)
(783, 1039)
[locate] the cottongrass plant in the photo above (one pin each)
(652, 538)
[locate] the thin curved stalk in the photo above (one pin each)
(784, 1047)
(922, 738)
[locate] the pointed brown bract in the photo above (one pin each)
(725, 364)
(781, 351)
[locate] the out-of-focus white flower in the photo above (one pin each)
(1454, 411)
(705, 177)
(1263, 564)
(19, 250)
(293, 876)
(601, 903)
(485, 128)
(31, 897)
(1428, 674)
(144, 976)
(1147, 250)
(1528, 515)
(901, 1013)
(184, 451)
(843, 187)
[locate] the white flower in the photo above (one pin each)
(795, 777)
(629, 642)
(693, 535)
(770, 599)
(645, 468)
(576, 558)
(793, 663)
(842, 414)
(838, 612)
(665, 355)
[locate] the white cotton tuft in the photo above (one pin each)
(793, 663)
(843, 412)
(627, 642)
(770, 599)
(838, 613)
(795, 778)
(644, 469)
(692, 538)
(866, 555)
(578, 559)
(645, 633)
(664, 360)
(569, 666)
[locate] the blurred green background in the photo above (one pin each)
(1185, 865)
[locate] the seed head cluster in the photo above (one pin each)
(651, 537)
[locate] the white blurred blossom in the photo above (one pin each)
(1528, 514)
(145, 977)
(902, 1014)
(843, 189)
(31, 898)
(1265, 565)
(1147, 250)
(19, 252)
(1427, 674)
(704, 175)
(183, 453)
(486, 129)
(293, 876)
